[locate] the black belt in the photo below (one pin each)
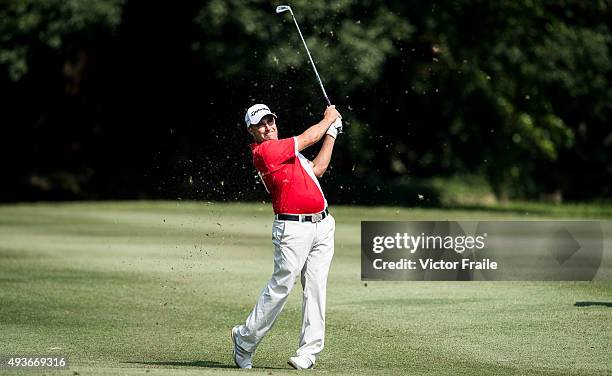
(314, 218)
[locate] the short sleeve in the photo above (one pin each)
(274, 153)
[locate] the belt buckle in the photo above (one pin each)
(317, 217)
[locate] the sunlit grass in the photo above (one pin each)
(123, 286)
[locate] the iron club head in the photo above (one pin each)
(283, 8)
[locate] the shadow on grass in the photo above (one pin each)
(500, 209)
(588, 304)
(537, 209)
(195, 363)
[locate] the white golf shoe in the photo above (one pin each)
(242, 358)
(300, 362)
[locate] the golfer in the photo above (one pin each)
(302, 232)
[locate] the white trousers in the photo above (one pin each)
(299, 247)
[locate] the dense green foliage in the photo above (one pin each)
(516, 92)
(60, 25)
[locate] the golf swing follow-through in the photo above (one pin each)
(302, 231)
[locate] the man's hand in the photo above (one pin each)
(331, 114)
(336, 128)
(313, 134)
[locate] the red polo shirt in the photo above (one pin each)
(288, 177)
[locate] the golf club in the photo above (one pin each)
(284, 8)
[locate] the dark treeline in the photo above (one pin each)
(114, 99)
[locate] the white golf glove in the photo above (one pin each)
(335, 128)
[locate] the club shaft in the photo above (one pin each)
(311, 61)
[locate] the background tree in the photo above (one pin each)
(112, 99)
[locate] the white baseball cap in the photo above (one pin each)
(255, 113)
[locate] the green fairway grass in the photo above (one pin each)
(135, 288)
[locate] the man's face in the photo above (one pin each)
(265, 130)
